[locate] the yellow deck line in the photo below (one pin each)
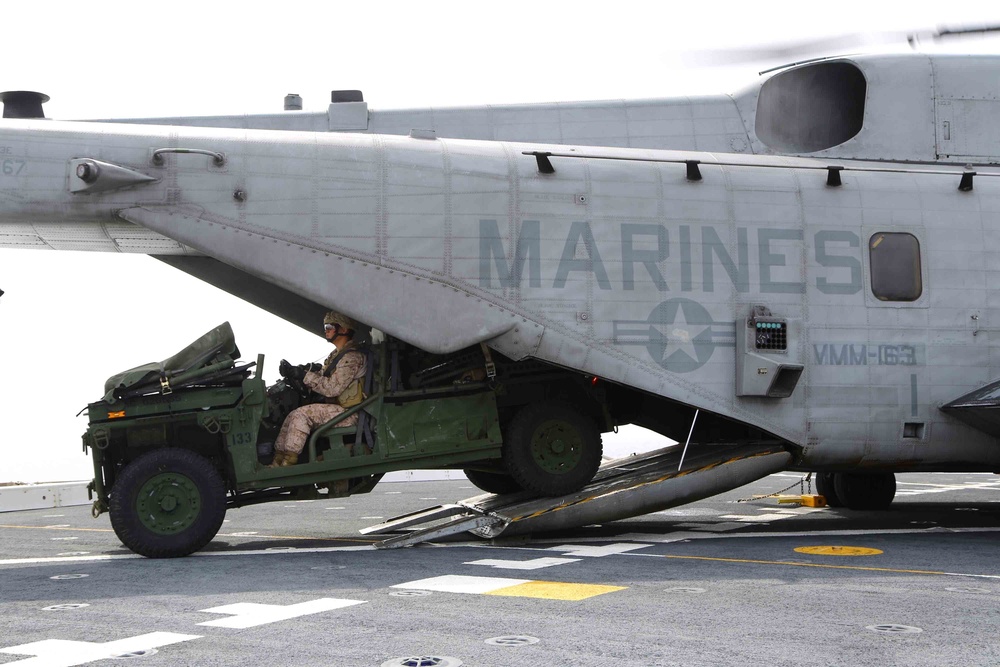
(819, 565)
(88, 530)
(300, 537)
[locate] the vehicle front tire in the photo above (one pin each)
(551, 449)
(167, 503)
(865, 491)
(492, 482)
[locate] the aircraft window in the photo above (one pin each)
(811, 108)
(895, 266)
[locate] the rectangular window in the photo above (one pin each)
(895, 266)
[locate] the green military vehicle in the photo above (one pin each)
(177, 443)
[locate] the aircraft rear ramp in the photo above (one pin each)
(622, 488)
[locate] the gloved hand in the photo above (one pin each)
(315, 367)
(286, 370)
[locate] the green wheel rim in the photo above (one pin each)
(556, 446)
(168, 503)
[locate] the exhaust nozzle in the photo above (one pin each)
(23, 104)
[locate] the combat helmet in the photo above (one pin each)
(361, 331)
(344, 321)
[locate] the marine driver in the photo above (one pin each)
(339, 380)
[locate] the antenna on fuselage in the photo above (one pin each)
(23, 104)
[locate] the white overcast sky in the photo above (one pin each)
(70, 320)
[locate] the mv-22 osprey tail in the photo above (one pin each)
(836, 308)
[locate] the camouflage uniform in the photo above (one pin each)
(300, 423)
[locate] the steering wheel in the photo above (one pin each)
(296, 384)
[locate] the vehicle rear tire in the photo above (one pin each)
(167, 503)
(860, 491)
(492, 482)
(551, 449)
(825, 487)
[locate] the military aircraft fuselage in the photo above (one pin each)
(837, 317)
(911, 107)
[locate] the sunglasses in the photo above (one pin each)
(330, 327)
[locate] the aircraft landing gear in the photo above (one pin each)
(857, 491)
(826, 488)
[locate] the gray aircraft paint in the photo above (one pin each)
(439, 268)
(909, 99)
(625, 250)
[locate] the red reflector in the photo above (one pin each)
(593, 381)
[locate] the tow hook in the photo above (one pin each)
(98, 508)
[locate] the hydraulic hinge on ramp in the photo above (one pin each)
(622, 488)
(463, 518)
